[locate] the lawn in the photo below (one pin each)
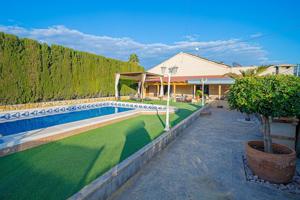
(59, 169)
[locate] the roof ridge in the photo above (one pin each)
(165, 60)
(206, 59)
(195, 56)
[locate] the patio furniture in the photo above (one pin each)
(188, 99)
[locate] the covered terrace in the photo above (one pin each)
(222, 84)
(140, 78)
(214, 86)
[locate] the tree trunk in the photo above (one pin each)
(267, 135)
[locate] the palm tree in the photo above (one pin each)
(248, 72)
(133, 58)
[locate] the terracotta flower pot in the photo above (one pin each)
(277, 167)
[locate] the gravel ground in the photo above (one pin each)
(205, 162)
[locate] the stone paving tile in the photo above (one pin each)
(204, 163)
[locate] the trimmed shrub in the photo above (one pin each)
(33, 72)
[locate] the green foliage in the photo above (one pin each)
(248, 72)
(133, 58)
(253, 72)
(32, 72)
(269, 96)
(199, 93)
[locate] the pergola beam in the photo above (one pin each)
(140, 77)
(117, 78)
(139, 89)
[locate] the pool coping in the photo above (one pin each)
(13, 115)
(109, 182)
(30, 139)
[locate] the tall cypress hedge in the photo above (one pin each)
(33, 72)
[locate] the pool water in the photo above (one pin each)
(23, 125)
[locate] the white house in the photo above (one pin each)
(192, 70)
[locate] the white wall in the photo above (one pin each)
(189, 65)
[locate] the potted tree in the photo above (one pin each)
(198, 94)
(268, 96)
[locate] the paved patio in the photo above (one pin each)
(204, 163)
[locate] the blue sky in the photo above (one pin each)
(248, 32)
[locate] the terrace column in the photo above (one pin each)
(143, 85)
(117, 78)
(220, 90)
(202, 87)
(157, 90)
(194, 91)
(161, 87)
(174, 91)
(139, 89)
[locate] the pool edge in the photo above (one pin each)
(68, 133)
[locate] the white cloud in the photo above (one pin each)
(192, 37)
(256, 35)
(228, 51)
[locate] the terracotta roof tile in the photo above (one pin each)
(184, 78)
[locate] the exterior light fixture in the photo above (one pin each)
(171, 71)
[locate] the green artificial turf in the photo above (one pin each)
(59, 169)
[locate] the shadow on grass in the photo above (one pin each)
(180, 114)
(136, 138)
(40, 174)
(160, 119)
(90, 165)
(197, 106)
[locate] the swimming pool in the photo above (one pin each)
(24, 125)
(23, 129)
(25, 121)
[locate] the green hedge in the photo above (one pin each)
(33, 72)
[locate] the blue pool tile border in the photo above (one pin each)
(31, 113)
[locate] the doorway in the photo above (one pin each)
(206, 88)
